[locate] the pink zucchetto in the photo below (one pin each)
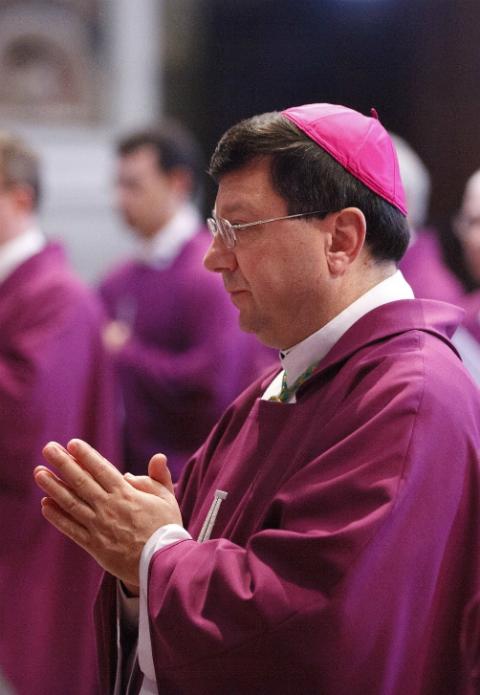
(359, 143)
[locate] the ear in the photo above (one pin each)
(347, 239)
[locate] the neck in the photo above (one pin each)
(344, 291)
(364, 274)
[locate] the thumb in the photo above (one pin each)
(158, 470)
(141, 482)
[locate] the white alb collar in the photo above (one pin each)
(300, 357)
(162, 249)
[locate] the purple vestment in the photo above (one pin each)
(187, 359)
(346, 551)
(54, 384)
(426, 271)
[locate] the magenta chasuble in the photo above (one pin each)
(54, 384)
(348, 547)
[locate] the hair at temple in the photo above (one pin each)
(174, 147)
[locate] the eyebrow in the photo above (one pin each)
(238, 210)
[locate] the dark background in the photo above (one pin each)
(416, 61)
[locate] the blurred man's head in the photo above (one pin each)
(19, 186)
(416, 181)
(467, 226)
(158, 171)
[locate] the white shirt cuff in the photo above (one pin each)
(165, 535)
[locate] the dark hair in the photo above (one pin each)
(173, 146)
(309, 179)
(19, 165)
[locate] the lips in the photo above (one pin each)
(233, 289)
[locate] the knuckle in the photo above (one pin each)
(79, 482)
(70, 505)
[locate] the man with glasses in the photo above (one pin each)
(325, 538)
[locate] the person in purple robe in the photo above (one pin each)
(422, 264)
(180, 356)
(326, 537)
(55, 381)
(444, 265)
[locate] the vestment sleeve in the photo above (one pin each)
(209, 600)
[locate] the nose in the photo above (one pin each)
(219, 258)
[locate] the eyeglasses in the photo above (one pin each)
(219, 227)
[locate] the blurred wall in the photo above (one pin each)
(75, 74)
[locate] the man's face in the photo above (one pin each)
(145, 194)
(276, 275)
(468, 227)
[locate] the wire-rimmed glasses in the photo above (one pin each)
(220, 227)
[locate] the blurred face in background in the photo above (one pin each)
(16, 206)
(467, 226)
(146, 196)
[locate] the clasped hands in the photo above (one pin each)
(108, 514)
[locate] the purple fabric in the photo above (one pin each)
(425, 270)
(187, 360)
(430, 278)
(54, 384)
(348, 546)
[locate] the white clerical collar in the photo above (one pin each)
(162, 249)
(298, 358)
(19, 249)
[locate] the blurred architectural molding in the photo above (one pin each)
(76, 73)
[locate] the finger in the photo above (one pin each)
(101, 470)
(64, 523)
(39, 477)
(64, 497)
(73, 474)
(158, 470)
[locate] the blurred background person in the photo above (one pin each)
(466, 228)
(180, 355)
(444, 264)
(54, 381)
(423, 265)
(465, 242)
